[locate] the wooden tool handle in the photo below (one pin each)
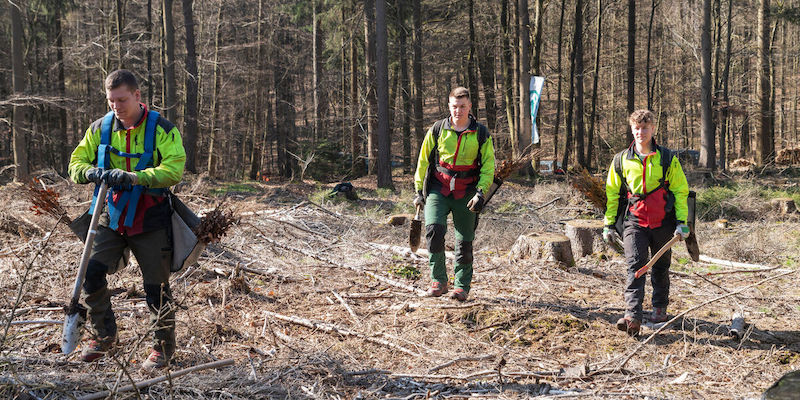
(419, 210)
(658, 255)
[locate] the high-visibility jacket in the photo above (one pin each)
(459, 168)
(169, 158)
(643, 177)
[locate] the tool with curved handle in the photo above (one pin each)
(658, 255)
(76, 313)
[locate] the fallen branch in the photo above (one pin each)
(734, 264)
(167, 375)
(389, 281)
(346, 307)
(460, 359)
(330, 328)
(675, 318)
(38, 321)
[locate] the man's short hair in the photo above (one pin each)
(459, 92)
(642, 117)
(121, 77)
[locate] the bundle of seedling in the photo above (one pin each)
(593, 188)
(215, 223)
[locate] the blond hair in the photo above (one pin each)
(642, 116)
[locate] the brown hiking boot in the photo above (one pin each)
(94, 349)
(437, 289)
(629, 325)
(658, 315)
(156, 360)
(459, 294)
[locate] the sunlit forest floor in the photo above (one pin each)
(318, 297)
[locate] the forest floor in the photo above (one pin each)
(529, 329)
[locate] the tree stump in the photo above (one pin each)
(543, 246)
(585, 236)
(783, 205)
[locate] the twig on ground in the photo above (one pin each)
(460, 359)
(168, 375)
(675, 318)
(330, 328)
(733, 264)
(347, 307)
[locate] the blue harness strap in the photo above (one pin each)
(129, 195)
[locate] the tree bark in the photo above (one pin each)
(559, 72)
(595, 79)
(372, 102)
(765, 145)
(405, 85)
(508, 86)
(258, 130)
(707, 143)
(580, 128)
(355, 133)
(384, 162)
(524, 78)
(64, 147)
(725, 115)
(419, 130)
(212, 143)
(472, 76)
(320, 100)
(190, 115)
(487, 72)
(20, 113)
(170, 104)
(631, 85)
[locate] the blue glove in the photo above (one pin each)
(94, 174)
(682, 230)
(118, 177)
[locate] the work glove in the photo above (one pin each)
(118, 177)
(419, 199)
(476, 203)
(94, 174)
(682, 230)
(610, 235)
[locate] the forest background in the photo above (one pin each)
(337, 89)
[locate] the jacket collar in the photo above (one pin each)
(631, 153)
(118, 124)
(473, 124)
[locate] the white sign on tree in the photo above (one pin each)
(535, 92)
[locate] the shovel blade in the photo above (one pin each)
(414, 235)
(72, 332)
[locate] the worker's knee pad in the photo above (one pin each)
(156, 297)
(95, 278)
(435, 234)
(463, 252)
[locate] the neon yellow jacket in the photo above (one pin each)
(634, 170)
(448, 145)
(169, 155)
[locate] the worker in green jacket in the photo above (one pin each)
(653, 191)
(139, 154)
(454, 170)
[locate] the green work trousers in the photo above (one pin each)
(153, 251)
(437, 207)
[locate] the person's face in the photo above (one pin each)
(124, 102)
(459, 109)
(642, 133)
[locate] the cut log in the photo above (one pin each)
(783, 205)
(544, 246)
(585, 236)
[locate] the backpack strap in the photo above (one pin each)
(618, 169)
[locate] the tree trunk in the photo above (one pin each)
(472, 76)
(20, 113)
(707, 143)
(320, 101)
(355, 133)
(580, 128)
(508, 86)
(64, 147)
(487, 72)
(384, 164)
(725, 115)
(170, 104)
(595, 78)
(559, 72)
(647, 67)
(212, 143)
(570, 105)
(765, 145)
(419, 130)
(259, 129)
(149, 52)
(405, 85)
(631, 63)
(119, 25)
(372, 103)
(524, 78)
(190, 115)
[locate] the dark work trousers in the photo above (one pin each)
(637, 240)
(153, 251)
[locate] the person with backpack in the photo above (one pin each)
(647, 191)
(454, 170)
(139, 154)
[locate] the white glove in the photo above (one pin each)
(682, 230)
(610, 235)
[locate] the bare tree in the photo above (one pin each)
(765, 145)
(170, 104)
(190, 115)
(707, 143)
(19, 125)
(384, 162)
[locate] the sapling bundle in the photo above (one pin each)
(44, 200)
(591, 187)
(215, 224)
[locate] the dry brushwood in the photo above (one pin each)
(45, 201)
(507, 167)
(591, 187)
(215, 224)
